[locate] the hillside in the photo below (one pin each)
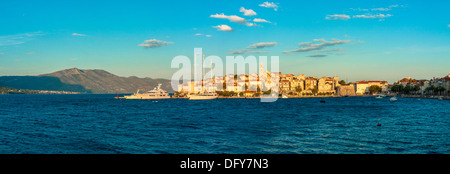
(101, 81)
(86, 81)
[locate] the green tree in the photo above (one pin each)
(342, 82)
(397, 88)
(416, 88)
(298, 89)
(267, 92)
(429, 89)
(374, 89)
(315, 90)
(439, 90)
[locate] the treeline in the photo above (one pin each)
(9, 90)
(415, 89)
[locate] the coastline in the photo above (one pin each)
(331, 96)
(236, 97)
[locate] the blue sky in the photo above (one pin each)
(355, 40)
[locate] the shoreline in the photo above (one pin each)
(390, 95)
(236, 97)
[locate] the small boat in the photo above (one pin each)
(440, 98)
(393, 99)
(380, 96)
(284, 96)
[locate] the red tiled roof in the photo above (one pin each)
(404, 80)
(362, 82)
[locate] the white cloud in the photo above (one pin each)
(247, 12)
(78, 34)
(17, 39)
(269, 5)
(262, 45)
(380, 9)
(206, 35)
(245, 51)
(251, 24)
(232, 18)
(250, 48)
(154, 43)
(359, 9)
(378, 16)
(392, 6)
(330, 50)
(258, 52)
(30, 52)
(311, 46)
(337, 17)
(223, 28)
(260, 20)
(448, 25)
(2, 53)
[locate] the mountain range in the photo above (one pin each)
(85, 81)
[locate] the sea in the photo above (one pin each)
(100, 124)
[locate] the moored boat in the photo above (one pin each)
(203, 96)
(156, 93)
(380, 96)
(393, 99)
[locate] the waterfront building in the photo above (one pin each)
(285, 85)
(297, 84)
(328, 84)
(310, 83)
(362, 87)
(403, 82)
(231, 86)
(288, 83)
(241, 85)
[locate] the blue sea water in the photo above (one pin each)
(100, 124)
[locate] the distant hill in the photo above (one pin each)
(40, 83)
(88, 81)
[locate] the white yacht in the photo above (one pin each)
(203, 96)
(393, 99)
(156, 93)
(380, 96)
